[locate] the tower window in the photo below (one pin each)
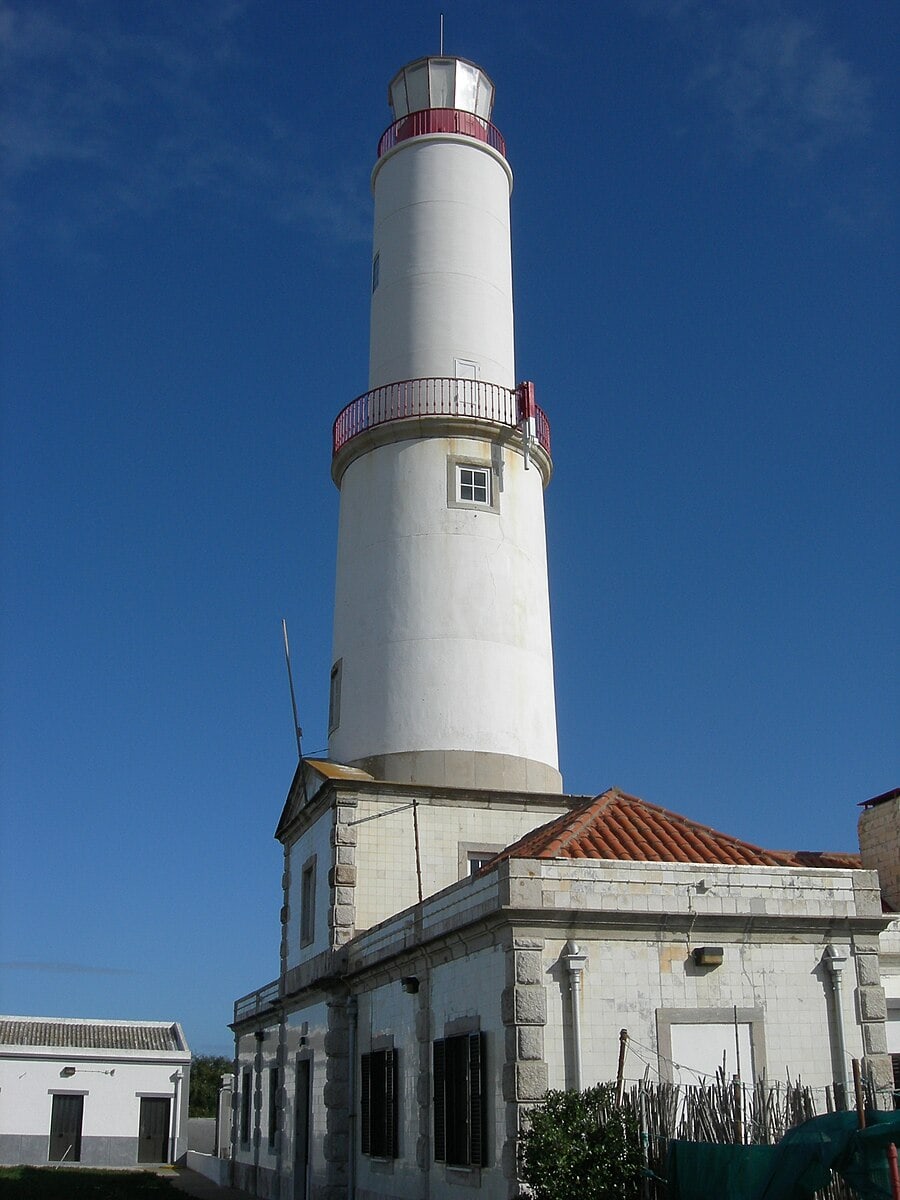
(376, 270)
(473, 484)
(334, 696)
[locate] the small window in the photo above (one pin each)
(246, 1092)
(273, 1107)
(478, 859)
(378, 1104)
(376, 270)
(308, 902)
(460, 1122)
(334, 696)
(473, 485)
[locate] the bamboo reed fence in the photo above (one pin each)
(720, 1112)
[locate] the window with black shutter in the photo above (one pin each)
(459, 1101)
(246, 1094)
(378, 1104)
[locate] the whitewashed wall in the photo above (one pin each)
(314, 841)
(442, 236)
(627, 982)
(112, 1103)
(442, 614)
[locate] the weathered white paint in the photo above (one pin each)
(442, 614)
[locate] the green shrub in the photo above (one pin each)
(581, 1146)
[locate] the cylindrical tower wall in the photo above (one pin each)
(444, 272)
(442, 622)
(443, 668)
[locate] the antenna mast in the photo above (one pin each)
(298, 732)
(442, 35)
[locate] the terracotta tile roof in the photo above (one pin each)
(76, 1034)
(617, 826)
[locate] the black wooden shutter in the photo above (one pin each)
(365, 1104)
(477, 1107)
(390, 1103)
(439, 1062)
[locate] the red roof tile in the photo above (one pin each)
(616, 826)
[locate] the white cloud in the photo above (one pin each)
(103, 120)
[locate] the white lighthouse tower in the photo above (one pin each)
(442, 668)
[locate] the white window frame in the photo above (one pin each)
(474, 479)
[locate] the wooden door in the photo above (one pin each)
(65, 1128)
(153, 1131)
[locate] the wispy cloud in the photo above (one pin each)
(65, 968)
(105, 117)
(784, 94)
(784, 90)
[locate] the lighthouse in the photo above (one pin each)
(442, 667)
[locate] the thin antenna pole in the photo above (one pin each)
(442, 35)
(287, 658)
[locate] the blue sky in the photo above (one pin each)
(705, 256)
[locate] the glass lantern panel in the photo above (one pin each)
(398, 97)
(466, 86)
(442, 82)
(417, 86)
(485, 101)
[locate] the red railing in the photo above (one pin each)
(441, 120)
(437, 397)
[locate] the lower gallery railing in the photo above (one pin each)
(441, 397)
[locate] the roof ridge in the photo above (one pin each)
(588, 814)
(711, 831)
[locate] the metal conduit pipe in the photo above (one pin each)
(575, 960)
(834, 964)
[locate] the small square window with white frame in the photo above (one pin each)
(473, 485)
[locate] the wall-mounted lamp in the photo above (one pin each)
(708, 956)
(67, 1072)
(410, 984)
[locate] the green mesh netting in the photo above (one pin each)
(797, 1167)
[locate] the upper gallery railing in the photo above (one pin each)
(439, 397)
(441, 120)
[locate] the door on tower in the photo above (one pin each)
(465, 399)
(153, 1130)
(65, 1129)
